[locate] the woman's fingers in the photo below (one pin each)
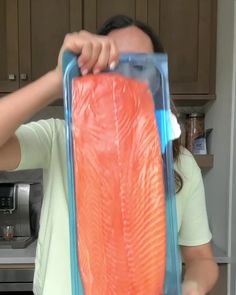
(109, 56)
(89, 63)
(114, 56)
(191, 288)
(101, 53)
(96, 53)
(102, 61)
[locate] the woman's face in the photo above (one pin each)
(132, 39)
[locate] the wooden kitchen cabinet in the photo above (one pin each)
(97, 11)
(8, 46)
(42, 27)
(32, 32)
(187, 29)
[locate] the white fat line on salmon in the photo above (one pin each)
(128, 247)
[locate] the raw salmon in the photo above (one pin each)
(120, 201)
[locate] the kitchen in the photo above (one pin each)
(219, 112)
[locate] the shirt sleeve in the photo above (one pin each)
(35, 140)
(194, 229)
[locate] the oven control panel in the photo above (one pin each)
(7, 197)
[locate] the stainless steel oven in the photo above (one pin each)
(20, 206)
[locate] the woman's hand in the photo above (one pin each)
(200, 269)
(191, 288)
(96, 53)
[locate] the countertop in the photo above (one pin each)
(21, 256)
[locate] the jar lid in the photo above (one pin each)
(196, 115)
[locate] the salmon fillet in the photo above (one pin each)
(120, 199)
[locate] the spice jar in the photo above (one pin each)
(194, 129)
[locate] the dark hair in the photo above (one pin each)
(123, 21)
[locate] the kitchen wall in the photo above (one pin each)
(233, 178)
(219, 116)
(220, 182)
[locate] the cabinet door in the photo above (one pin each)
(187, 29)
(97, 11)
(8, 46)
(42, 27)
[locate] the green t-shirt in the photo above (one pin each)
(43, 146)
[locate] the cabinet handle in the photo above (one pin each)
(11, 77)
(24, 77)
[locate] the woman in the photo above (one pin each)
(19, 149)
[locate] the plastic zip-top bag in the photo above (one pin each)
(123, 223)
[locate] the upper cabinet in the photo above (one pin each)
(9, 80)
(97, 11)
(32, 32)
(187, 29)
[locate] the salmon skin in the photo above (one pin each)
(119, 186)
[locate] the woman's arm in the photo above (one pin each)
(96, 54)
(17, 108)
(201, 270)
